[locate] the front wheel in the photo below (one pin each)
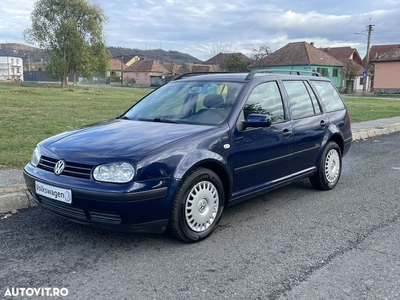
(329, 169)
(197, 206)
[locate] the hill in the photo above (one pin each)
(157, 54)
(37, 56)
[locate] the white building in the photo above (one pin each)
(11, 66)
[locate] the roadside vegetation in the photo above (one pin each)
(33, 112)
(372, 108)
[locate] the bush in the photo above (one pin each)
(129, 81)
(113, 79)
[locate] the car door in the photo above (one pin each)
(262, 156)
(309, 125)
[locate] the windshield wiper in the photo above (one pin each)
(162, 120)
(123, 118)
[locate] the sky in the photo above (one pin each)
(203, 27)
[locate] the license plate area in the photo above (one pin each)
(53, 192)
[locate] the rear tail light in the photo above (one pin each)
(348, 115)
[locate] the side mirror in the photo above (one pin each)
(257, 120)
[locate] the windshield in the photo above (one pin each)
(191, 102)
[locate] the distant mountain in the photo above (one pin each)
(37, 57)
(157, 54)
(25, 51)
(34, 58)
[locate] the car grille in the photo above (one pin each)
(77, 213)
(71, 168)
(63, 209)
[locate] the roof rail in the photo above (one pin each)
(297, 72)
(197, 73)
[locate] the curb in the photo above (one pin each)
(15, 201)
(15, 197)
(363, 134)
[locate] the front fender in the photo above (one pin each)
(198, 158)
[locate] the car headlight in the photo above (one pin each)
(35, 157)
(121, 172)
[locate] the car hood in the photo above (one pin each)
(116, 139)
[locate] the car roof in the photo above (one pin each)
(246, 77)
(220, 76)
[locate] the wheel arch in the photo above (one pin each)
(222, 174)
(179, 225)
(332, 137)
(338, 140)
(218, 169)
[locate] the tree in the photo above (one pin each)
(234, 62)
(350, 72)
(216, 48)
(259, 52)
(71, 32)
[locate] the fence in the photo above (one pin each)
(43, 76)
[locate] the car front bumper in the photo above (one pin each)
(136, 207)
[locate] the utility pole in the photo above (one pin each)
(122, 69)
(365, 73)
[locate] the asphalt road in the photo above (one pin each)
(293, 243)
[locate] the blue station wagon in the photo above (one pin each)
(189, 149)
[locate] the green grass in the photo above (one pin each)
(365, 109)
(30, 113)
(33, 112)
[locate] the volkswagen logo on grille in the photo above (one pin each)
(59, 167)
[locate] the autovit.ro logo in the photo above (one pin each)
(30, 292)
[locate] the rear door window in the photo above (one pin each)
(302, 99)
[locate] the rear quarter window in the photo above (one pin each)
(328, 95)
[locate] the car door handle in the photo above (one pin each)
(286, 133)
(323, 123)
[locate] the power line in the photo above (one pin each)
(377, 37)
(377, 34)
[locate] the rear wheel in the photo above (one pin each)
(197, 206)
(329, 169)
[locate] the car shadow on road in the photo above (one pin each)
(63, 232)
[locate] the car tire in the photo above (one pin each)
(197, 206)
(329, 169)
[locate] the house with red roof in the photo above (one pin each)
(387, 71)
(353, 79)
(378, 50)
(128, 59)
(179, 69)
(145, 73)
(173, 68)
(233, 62)
(302, 56)
(115, 68)
(220, 57)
